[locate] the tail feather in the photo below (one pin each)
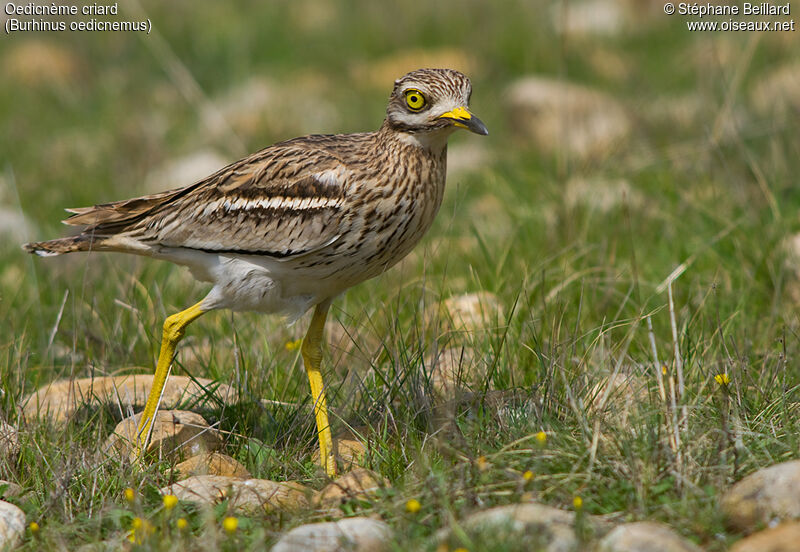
(118, 213)
(51, 248)
(106, 226)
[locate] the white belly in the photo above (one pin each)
(251, 283)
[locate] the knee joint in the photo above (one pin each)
(174, 328)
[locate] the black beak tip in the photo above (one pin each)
(477, 126)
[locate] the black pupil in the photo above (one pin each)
(414, 98)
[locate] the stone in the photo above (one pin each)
(177, 434)
(531, 525)
(452, 369)
(645, 536)
(349, 453)
(611, 63)
(601, 195)
(489, 216)
(12, 525)
(558, 116)
(9, 489)
(791, 250)
(783, 538)
(39, 62)
(378, 72)
(60, 400)
(247, 495)
(360, 483)
(778, 92)
(465, 158)
(9, 440)
(471, 312)
(616, 398)
(358, 534)
(185, 170)
(211, 463)
(287, 107)
(764, 498)
(311, 17)
(590, 17)
(680, 112)
(14, 225)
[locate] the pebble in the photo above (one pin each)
(11, 490)
(777, 93)
(378, 72)
(58, 401)
(558, 115)
(535, 526)
(472, 312)
(590, 17)
(285, 107)
(212, 463)
(359, 534)
(37, 62)
(645, 536)
(9, 440)
(349, 453)
(764, 498)
(12, 525)
(616, 398)
(465, 158)
(15, 226)
(602, 194)
(185, 170)
(783, 538)
(452, 369)
(360, 483)
(248, 495)
(177, 434)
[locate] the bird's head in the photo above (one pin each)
(430, 104)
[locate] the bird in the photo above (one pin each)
(294, 225)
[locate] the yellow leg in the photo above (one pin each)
(312, 358)
(174, 328)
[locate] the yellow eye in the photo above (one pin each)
(414, 99)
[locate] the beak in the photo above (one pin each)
(464, 119)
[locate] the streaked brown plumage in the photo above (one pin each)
(296, 224)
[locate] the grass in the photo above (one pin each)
(581, 274)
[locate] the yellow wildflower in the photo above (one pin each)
(230, 524)
(413, 506)
(181, 524)
(528, 475)
(541, 437)
(130, 494)
(577, 502)
(293, 345)
(723, 378)
(482, 463)
(140, 529)
(34, 527)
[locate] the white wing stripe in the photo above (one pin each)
(277, 202)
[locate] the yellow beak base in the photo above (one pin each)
(462, 118)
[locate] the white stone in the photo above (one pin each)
(12, 525)
(347, 535)
(645, 536)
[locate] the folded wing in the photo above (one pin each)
(284, 201)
